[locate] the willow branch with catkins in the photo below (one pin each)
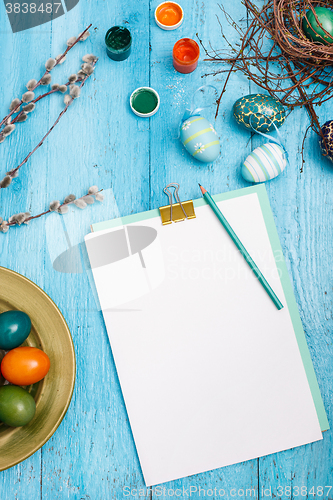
(33, 84)
(74, 78)
(74, 93)
(55, 206)
(274, 53)
(75, 84)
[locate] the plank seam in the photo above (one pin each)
(149, 145)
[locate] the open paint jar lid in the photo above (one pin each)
(144, 102)
(169, 15)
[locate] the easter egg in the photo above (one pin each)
(259, 110)
(327, 130)
(25, 365)
(315, 31)
(2, 355)
(15, 327)
(200, 139)
(264, 163)
(17, 406)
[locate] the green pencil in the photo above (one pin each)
(240, 247)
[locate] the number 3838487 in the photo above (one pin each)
(32, 8)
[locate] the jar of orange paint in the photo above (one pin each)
(185, 55)
(169, 15)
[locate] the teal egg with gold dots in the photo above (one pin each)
(200, 139)
(327, 146)
(260, 111)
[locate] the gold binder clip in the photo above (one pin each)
(178, 211)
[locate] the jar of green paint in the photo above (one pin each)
(118, 41)
(145, 102)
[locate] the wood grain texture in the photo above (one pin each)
(99, 141)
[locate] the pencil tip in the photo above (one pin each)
(203, 190)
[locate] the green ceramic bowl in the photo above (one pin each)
(52, 394)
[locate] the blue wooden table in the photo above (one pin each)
(100, 141)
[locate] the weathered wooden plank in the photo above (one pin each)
(17, 251)
(301, 203)
(93, 454)
(170, 162)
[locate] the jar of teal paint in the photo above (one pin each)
(118, 41)
(144, 102)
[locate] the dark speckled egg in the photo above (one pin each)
(261, 109)
(327, 130)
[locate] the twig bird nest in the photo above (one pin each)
(285, 50)
(291, 18)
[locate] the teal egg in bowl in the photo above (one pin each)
(15, 327)
(259, 110)
(200, 139)
(315, 31)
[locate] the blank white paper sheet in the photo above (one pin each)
(210, 370)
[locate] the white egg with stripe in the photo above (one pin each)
(264, 163)
(200, 138)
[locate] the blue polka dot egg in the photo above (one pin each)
(200, 139)
(260, 111)
(327, 131)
